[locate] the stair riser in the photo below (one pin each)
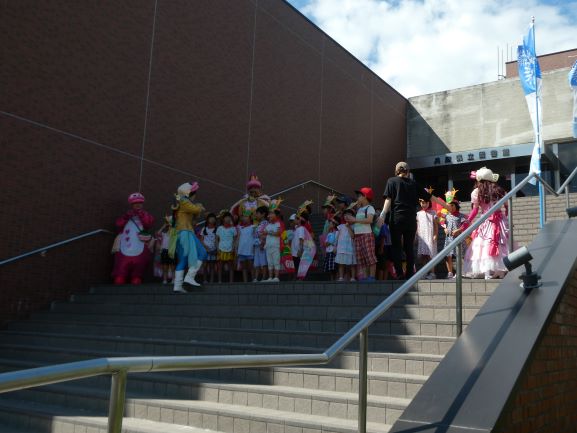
(316, 379)
(303, 291)
(320, 341)
(149, 409)
(391, 326)
(262, 313)
(363, 301)
(208, 421)
(47, 424)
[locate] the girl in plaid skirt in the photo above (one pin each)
(364, 238)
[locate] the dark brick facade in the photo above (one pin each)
(545, 399)
(547, 62)
(102, 98)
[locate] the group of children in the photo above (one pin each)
(252, 238)
(251, 244)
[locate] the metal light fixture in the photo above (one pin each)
(522, 256)
(571, 212)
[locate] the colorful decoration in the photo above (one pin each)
(275, 204)
(442, 208)
(303, 207)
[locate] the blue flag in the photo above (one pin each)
(529, 70)
(530, 77)
(573, 84)
(573, 75)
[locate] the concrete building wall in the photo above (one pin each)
(487, 115)
(99, 99)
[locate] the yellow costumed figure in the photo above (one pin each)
(189, 249)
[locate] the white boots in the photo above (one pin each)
(178, 279)
(189, 279)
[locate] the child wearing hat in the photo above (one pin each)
(454, 224)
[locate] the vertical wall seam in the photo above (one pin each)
(321, 109)
(372, 136)
(251, 97)
(147, 96)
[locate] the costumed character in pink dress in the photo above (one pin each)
(190, 251)
(132, 253)
(252, 200)
(490, 240)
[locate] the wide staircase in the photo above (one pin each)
(405, 347)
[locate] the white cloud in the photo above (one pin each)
(424, 46)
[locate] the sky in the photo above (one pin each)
(426, 46)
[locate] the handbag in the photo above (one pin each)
(116, 244)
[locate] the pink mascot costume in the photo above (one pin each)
(132, 250)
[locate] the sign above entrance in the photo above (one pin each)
(469, 156)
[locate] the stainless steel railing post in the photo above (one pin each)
(459, 289)
(567, 201)
(363, 382)
(510, 220)
(117, 402)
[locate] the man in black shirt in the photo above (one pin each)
(401, 198)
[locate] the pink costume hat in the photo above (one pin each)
(135, 197)
(253, 182)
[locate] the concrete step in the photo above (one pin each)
(432, 339)
(214, 417)
(335, 404)
(298, 289)
(387, 325)
(179, 385)
(263, 314)
(44, 418)
(254, 339)
(274, 299)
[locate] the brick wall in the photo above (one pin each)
(99, 99)
(546, 399)
(547, 62)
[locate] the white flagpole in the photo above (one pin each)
(541, 190)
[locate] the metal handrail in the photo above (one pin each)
(298, 185)
(54, 245)
(302, 185)
(567, 181)
(120, 367)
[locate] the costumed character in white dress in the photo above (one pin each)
(131, 250)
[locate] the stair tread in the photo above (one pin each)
(214, 343)
(310, 370)
(44, 410)
(287, 391)
(147, 426)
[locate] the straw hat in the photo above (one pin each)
(485, 173)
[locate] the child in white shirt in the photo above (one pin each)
(346, 257)
(272, 246)
(245, 247)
